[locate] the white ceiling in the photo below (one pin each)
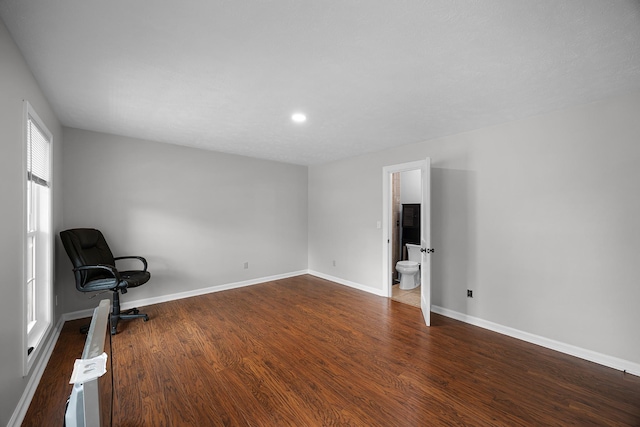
(227, 75)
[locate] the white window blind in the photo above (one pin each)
(38, 147)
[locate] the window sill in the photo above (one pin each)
(35, 339)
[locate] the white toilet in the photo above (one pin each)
(410, 270)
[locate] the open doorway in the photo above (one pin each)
(390, 217)
(406, 200)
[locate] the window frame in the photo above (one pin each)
(35, 331)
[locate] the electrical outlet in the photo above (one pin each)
(246, 265)
(469, 293)
(334, 262)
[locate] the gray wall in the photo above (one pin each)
(539, 217)
(16, 84)
(197, 216)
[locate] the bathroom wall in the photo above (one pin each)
(410, 192)
(538, 216)
(197, 216)
(410, 187)
(16, 85)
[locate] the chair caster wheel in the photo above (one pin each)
(145, 319)
(136, 311)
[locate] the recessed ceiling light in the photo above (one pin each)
(298, 117)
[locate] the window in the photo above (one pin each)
(38, 256)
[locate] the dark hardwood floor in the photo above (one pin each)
(307, 352)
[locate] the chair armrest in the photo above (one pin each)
(141, 259)
(111, 269)
(97, 285)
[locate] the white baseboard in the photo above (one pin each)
(592, 356)
(348, 283)
(38, 369)
(187, 294)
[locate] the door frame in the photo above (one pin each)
(425, 233)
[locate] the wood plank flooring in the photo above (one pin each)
(307, 352)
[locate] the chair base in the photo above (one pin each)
(132, 313)
(116, 314)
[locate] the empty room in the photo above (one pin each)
(283, 170)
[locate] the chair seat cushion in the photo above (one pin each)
(134, 278)
(99, 284)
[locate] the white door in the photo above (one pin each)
(425, 242)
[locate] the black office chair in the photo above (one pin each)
(95, 270)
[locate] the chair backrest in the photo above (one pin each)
(87, 246)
